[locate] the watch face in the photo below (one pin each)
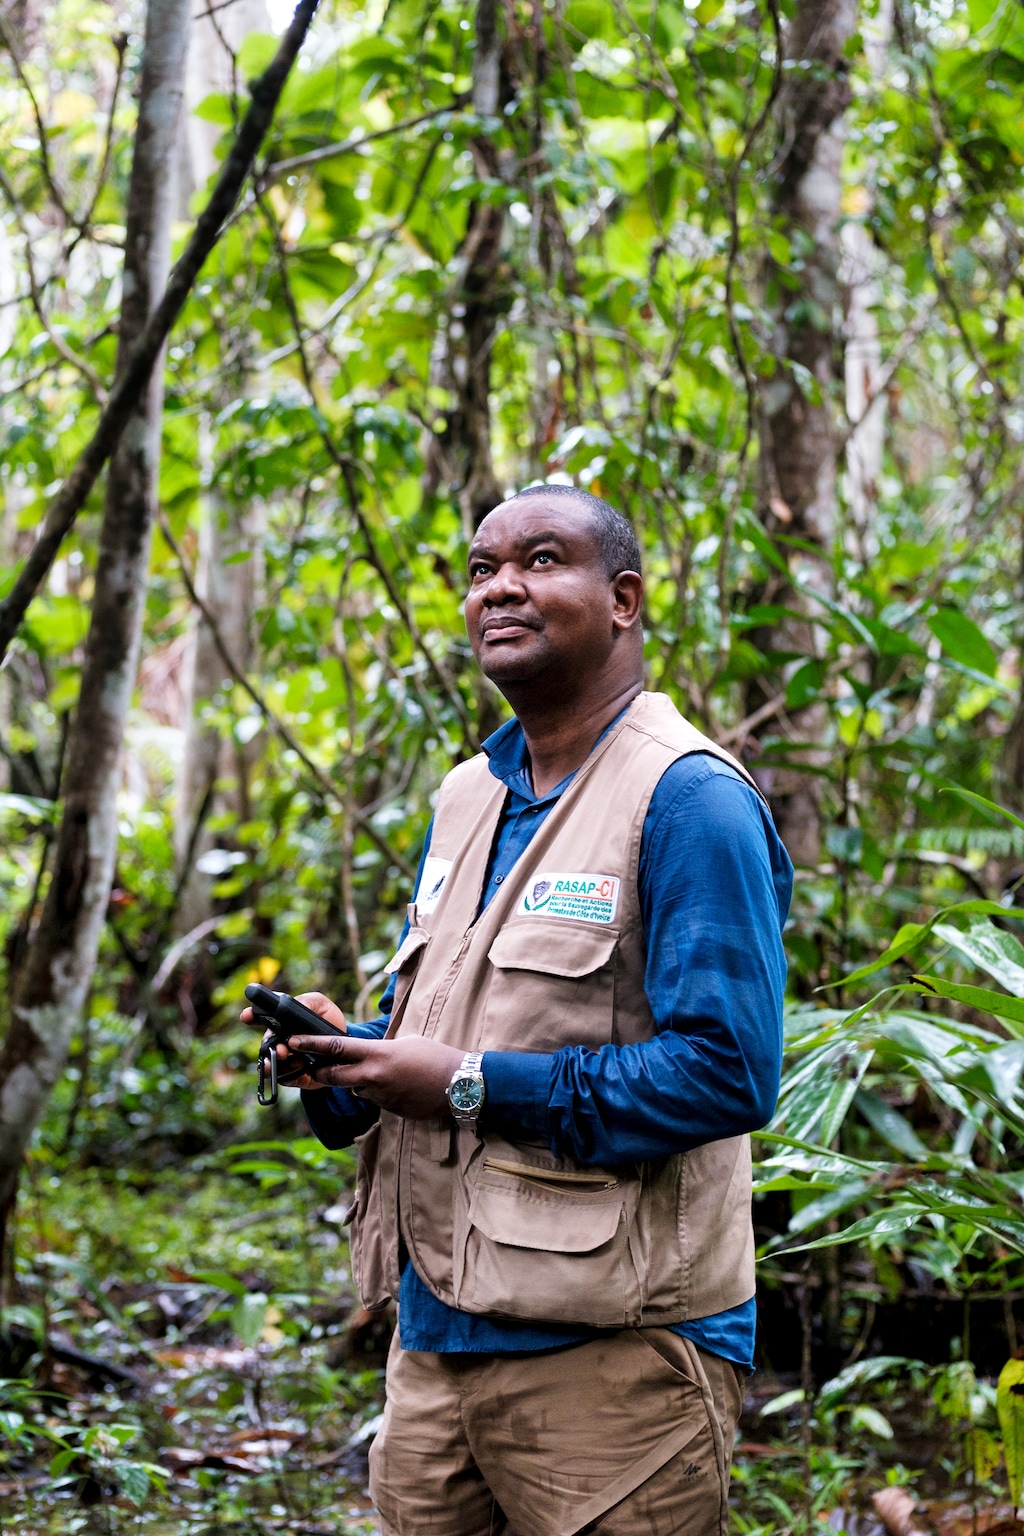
(466, 1093)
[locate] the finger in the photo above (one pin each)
(343, 1047)
(322, 1006)
(350, 1077)
(246, 1016)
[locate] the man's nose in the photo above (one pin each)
(506, 585)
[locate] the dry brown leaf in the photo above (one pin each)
(894, 1507)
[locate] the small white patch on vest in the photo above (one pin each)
(432, 882)
(592, 898)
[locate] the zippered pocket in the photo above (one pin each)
(581, 1179)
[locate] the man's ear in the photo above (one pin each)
(628, 600)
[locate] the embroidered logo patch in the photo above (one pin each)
(594, 898)
(432, 882)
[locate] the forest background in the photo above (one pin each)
(750, 270)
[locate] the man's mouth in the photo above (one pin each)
(506, 626)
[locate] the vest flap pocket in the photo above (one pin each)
(409, 947)
(524, 1214)
(551, 946)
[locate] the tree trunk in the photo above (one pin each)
(226, 529)
(799, 444)
(52, 987)
(860, 274)
(462, 364)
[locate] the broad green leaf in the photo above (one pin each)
(805, 684)
(993, 949)
(864, 1417)
(221, 1281)
(248, 1317)
(1009, 1009)
(783, 1401)
(911, 934)
(890, 1125)
(133, 1479)
(829, 1204)
(841, 1097)
(28, 805)
(838, 1387)
(872, 1228)
(1010, 1408)
(961, 639)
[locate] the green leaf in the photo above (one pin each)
(961, 639)
(783, 1401)
(133, 1480)
(1010, 1009)
(987, 805)
(28, 805)
(838, 1387)
(864, 1417)
(842, 1094)
(221, 1281)
(993, 949)
(805, 684)
(911, 934)
(248, 1317)
(890, 1125)
(828, 1205)
(1010, 1408)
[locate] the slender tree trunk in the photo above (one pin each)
(860, 274)
(52, 988)
(800, 445)
(226, 528)
(462, 361)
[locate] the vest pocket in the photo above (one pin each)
(545, 970)
(546, 1243)
(404, 967)
(366, 1226)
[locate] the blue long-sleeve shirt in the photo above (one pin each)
(714, 885)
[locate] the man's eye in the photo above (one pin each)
(478, 568)
(542, 556)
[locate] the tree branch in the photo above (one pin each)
(67, 352)
(353, 146)
(66, 505)
(44, 148)
(325, 784)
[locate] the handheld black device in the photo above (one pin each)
(284, 1016)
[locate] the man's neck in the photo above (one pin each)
(560, 736)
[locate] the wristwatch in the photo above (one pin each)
(466, 1091)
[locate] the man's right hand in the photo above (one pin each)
(318, 1004)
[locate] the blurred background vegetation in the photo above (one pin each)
(750, 269)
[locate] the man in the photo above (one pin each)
(582, 1024)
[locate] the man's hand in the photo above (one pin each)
(326, 1010)
(406, 1076)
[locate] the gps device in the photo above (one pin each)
(283, 1016)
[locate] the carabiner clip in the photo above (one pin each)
(268, 1051)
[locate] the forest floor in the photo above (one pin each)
(186, 1358)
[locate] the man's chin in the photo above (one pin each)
(510, 669)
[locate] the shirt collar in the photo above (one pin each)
(509, 760)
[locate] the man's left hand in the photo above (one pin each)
(407, 1076)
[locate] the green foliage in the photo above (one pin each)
(642, 285)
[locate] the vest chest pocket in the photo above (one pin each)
(403, 968)
(552, 983)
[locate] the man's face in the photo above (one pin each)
(540, 604)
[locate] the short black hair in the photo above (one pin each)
(616, 540)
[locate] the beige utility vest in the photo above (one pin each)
(556, 958)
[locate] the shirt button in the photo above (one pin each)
(498, 879)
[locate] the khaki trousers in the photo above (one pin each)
(629, 1434)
